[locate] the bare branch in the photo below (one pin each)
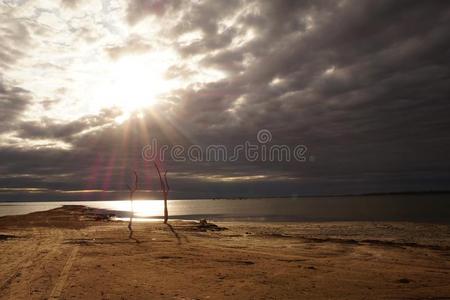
(166, 183)
(136, 180)
(160, 177)
(164, 189)
(132, 191)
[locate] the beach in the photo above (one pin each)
(75, 252)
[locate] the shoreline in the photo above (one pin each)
(77, 252)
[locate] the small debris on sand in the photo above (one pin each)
(4, 237)
(404, 280)
(203, 225)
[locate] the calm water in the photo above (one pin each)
(427, 208)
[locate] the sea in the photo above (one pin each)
(410, 208)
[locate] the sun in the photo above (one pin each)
(134, 82)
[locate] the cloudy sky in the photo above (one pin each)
(86, 84)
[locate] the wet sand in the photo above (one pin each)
(74, 253)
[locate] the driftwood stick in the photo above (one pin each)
(132, 189)
(165, 191)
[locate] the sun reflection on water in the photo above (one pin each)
(141, 208)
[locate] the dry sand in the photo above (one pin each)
(66, 254)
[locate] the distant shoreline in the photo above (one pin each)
(405, 193)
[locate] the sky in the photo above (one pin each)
(362, 86)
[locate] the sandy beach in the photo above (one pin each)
(74, 253)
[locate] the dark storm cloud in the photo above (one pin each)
(102, 158)
(364, 85)
(229, 61)
(51, 129)
(13, 101)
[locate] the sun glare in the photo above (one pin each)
(133, 82)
